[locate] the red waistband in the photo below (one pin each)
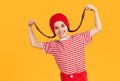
(74, 75)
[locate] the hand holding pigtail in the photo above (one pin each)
(90, 7)
(31, 23)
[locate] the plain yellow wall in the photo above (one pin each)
(21, 62)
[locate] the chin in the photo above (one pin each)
(62, 36)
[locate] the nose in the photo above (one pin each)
(60, 28)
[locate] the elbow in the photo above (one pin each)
(33, 44)
(36, 45)
(99, 28)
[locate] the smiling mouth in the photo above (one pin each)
(61, 33)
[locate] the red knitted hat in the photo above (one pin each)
(58, 17)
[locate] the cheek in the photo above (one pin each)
(56, 31)
(66, 29)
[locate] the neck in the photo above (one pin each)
(64, 38)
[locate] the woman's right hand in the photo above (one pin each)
(31, 22)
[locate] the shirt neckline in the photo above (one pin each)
(62, 39)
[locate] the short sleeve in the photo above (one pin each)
(47, 47)
(86, 37)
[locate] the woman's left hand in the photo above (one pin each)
(90, 7)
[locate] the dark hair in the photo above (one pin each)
(68, 30)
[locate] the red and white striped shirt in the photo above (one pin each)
(69, 53)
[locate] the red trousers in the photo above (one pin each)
(74, 77)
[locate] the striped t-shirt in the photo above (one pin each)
(69, 53)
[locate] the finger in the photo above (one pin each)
(88, 7)
(31, 22)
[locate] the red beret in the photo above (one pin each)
(58, 17)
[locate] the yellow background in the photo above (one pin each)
(21, 62)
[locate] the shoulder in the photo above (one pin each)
(81, 34)
(50, 43)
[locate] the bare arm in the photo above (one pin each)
(32, 37)
(97, 25)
